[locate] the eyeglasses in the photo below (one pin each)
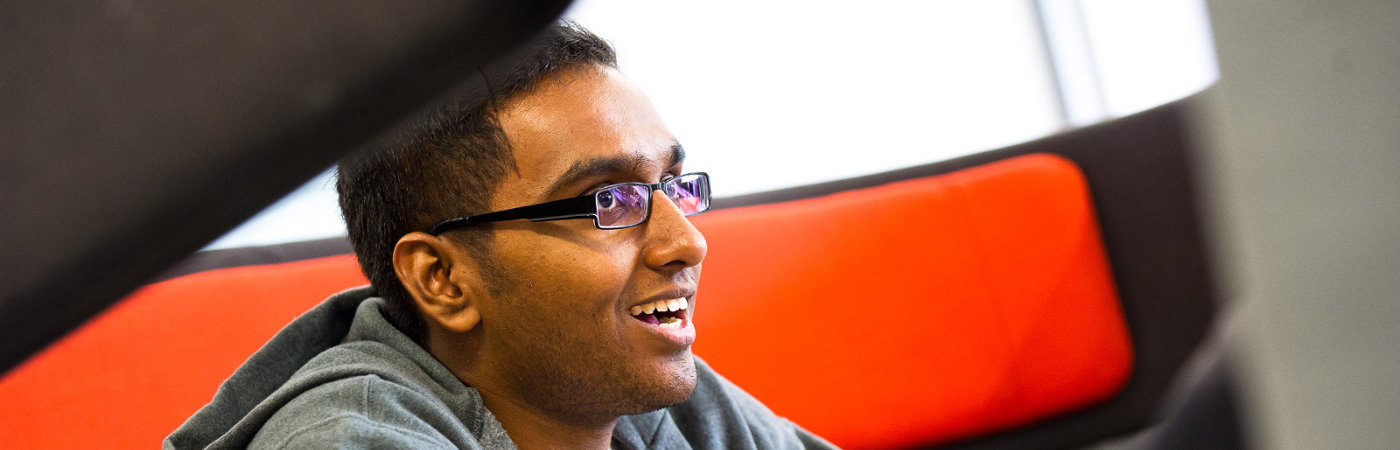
(612, 207)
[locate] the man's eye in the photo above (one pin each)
(667, 186)
(606, 199)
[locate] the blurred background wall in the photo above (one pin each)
(1303, 177)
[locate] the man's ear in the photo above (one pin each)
(440, 279)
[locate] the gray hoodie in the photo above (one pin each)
(341, 376)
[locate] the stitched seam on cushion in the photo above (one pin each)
(330, 421)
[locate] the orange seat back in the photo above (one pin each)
(919, 311)
(133, 374)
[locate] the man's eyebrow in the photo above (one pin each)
(677, 155)
(615, 164)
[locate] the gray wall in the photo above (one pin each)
(1303, 187)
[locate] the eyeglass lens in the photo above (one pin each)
(624, 205)
(690, 192)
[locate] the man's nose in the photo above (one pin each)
(672, 242)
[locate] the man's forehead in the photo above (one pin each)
(569, 169)
(635, 162)
(583, 123)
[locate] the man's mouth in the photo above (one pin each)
(663, 313)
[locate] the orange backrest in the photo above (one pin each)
(920, 311)
(137, 371)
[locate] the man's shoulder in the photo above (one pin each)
(356, 411)
(359, 411)
(368, 394)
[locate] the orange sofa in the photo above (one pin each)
(975, 303)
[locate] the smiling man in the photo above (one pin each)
(533, 276)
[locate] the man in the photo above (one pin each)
(483, 329)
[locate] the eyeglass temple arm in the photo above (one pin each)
(569, 208)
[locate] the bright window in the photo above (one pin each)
(767, 95)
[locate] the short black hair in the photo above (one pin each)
(447, 165)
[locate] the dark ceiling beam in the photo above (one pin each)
(132, 133)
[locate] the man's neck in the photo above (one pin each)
(528, 427)
(531, 430)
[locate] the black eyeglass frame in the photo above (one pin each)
(580, 207)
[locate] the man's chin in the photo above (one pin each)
(685, 384)
(674, 386)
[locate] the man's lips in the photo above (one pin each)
(668, 317)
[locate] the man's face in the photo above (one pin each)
(558, 327)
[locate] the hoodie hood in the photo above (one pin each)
(345, 336)
(348, 337)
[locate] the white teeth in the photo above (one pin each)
(678, 304)
(670, 322)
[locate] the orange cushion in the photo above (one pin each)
(132, 375)
(923, 310)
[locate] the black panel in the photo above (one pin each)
(134, 132)
(265, 254)
(1207, 416)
